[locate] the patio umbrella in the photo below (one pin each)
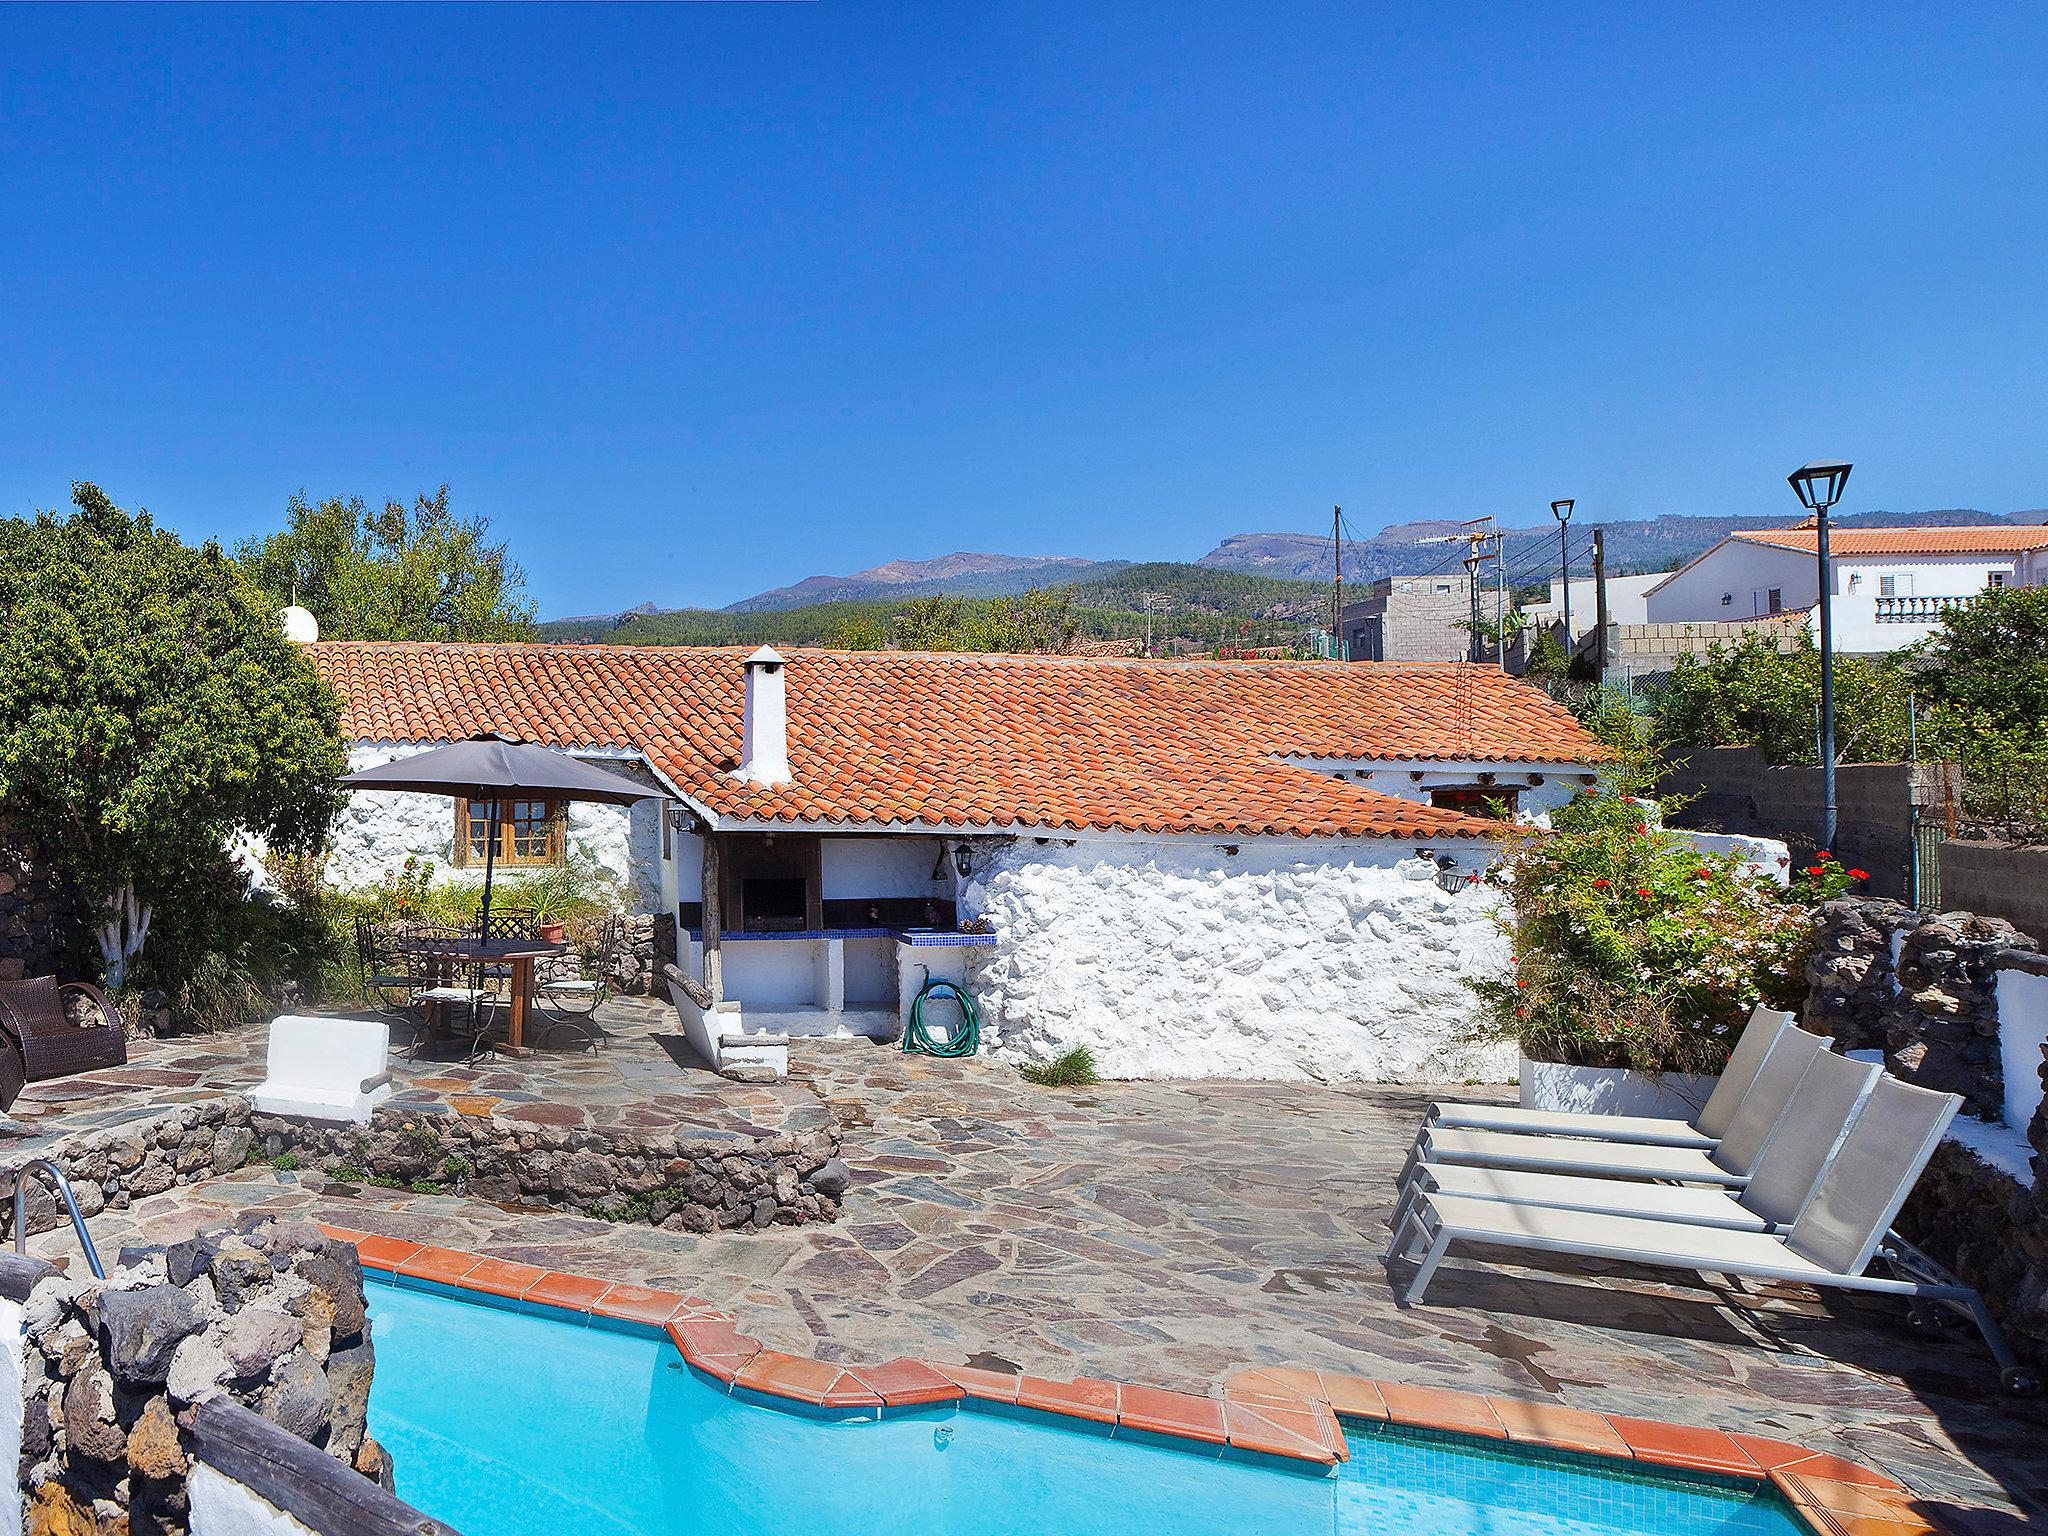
(492, 768)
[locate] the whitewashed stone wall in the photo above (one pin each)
(377, 832)
(1286, 959)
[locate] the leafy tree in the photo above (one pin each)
(1752, 693)
(931, 624)
(1040, 620)
(858, 632)
(151, 713)
(418, 573)
(1988, 662)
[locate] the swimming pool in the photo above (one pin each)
(510, 1423)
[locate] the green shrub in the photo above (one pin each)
(1075, 1069)
(346, 1173)
(285, 1162)
(1633, 949)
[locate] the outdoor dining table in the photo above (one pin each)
(516, 955)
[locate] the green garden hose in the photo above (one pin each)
(919, 1036)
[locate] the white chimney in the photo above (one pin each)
(764, 756)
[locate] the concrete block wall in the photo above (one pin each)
(2008, 880)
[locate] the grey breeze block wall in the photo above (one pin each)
(2008, 880)
(1934, 1014)
(1735, 790)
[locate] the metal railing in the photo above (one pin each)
(62, 1186)
(1920, 610)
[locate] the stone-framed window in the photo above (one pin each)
(532, 834)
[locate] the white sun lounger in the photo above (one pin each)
(1730, 1162)
(1790, 1166)
(1703, 1133)
(1843, 1229)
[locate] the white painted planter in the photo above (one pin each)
(1613, 1090)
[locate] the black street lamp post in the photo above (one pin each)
(1562, 511)
(1819, 486)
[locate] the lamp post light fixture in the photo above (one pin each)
(1819, 486)
(1562, 511)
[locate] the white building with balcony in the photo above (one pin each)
(1890, 585)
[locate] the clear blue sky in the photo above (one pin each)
(693, 300)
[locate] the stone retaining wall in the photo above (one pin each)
(697, 1183)
(113, 1372)
(1934, 1014)
(1933, 1011)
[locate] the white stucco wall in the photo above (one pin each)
(1288, 959)
(12, 1316)
(377, 832)
(1534, 800)
(223, 1507)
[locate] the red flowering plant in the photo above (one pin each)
(1823, 880)
(1632, 948)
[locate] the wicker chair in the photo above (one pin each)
(32, 1016)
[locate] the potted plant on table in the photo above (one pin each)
(1637, 958)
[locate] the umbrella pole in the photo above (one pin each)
(483, 922)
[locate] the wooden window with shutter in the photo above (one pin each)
(532, 834)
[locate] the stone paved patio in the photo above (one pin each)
(1172, 1233)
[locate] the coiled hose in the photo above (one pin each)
(921, 1038)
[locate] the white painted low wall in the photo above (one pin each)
(1763, 856)
(1613, 1090)
(12, 1317)
(1293, 960)
(2022, 1037)
(223, 1507)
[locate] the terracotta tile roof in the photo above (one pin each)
(893, 738)
(2001, 539)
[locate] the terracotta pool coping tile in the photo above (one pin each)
(638, 1304)
(574, 1293)
(1834, 1469)
(780, 1375)
(1084, 1397)
(1357, 1396)
(1863, 1525)
(1680, 1445)
(384, 1252)
(501, 1277)
(1275, 1381)
(446, 1265)
(1846, 1501)
(1464, 1413)
(1558, 1426)
(342, 1234)
(995, 1386)
(1181, 1414)
(904, 1382)
(1299, 1434)
(849, 1391)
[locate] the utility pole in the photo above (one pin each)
(1337, 592)
(1599, 605)
(1500, 601)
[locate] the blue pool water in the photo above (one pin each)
(505, 1423)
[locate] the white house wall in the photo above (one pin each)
(1741, 571)
(1287, 959)
(378, 831)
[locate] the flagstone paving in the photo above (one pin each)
(1171, 1234)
